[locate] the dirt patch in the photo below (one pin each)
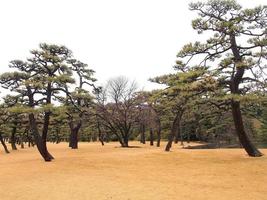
(104, 172)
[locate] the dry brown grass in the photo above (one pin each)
(94, 172)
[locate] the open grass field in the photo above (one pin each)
(94, 172)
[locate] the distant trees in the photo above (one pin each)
(181, 89)
(148, 117)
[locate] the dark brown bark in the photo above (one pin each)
(142, 133)
(3, 143)
(236, 112)
(13, 136)
(46, 121)
(158, 131)
(41, 145)
(74, 129)
(73, 143)
(151, 136)
(158, 137)
(100, 134)
(21, 144)
(188, 137)
(172, 134)
(177, 136)
(243, 137)
(125, 140)
(40, 141)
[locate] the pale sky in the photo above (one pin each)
(138, 39)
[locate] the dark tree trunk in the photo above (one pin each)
(142, 134)
(41, 145)
(22, 144)
(172, 134)
(158, 137)
(243, 137)
(125, 141)
(29, 138)
(101, 140)
(100, 134)
(177, 135)
(58, 139)
(237, 116)
(74, 135)
(158, 132)
(13, 137)
(151, 136)
(45, 132)
(75, 138)
(188, 137)
(3, 143)
(181, 136)
(71, 138)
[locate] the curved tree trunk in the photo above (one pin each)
(41, 145)
(3, 143)
(40, 141)
(175, 125)
(45, 132)
(243, 137)
(237, 116)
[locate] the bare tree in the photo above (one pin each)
(117, 107)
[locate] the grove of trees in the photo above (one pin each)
(216, 95)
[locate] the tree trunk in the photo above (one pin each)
(71, 138)
(158, 132)
(100, 135)
(242, 135)
(181, 136)
(158, 137)
(188, 137)
(22, 144)
(125, 141)
(3, 143)
(41, 145)
(142, 134)
(237, 116)
(177, 135)
(74, 138)
(13, 137)
(175, 125)
(151, 136)
(74, 135)
(45, 132)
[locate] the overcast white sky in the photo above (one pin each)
(135, 38)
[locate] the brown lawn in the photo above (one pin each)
(94, 172)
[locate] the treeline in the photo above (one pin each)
(216, 95)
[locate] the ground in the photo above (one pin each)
(95, 172)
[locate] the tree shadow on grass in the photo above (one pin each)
(129, 147)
